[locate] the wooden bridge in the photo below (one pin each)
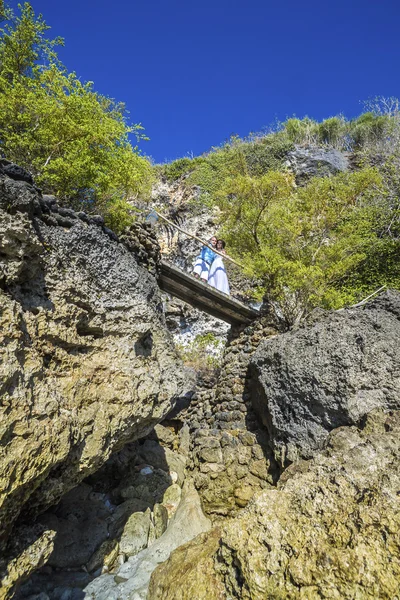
(204, 297)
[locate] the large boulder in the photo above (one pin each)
(316, 162)
(86, 361)
(330, 530)
(329, 373)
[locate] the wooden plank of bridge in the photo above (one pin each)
(203, 296)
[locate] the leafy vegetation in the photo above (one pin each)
(302, 241)
(202, 354)
(73, 140)
(328, 243)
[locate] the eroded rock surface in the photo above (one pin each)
(316, 162)
(132, 579)
(329, 373)
(87, 364)
(330, 530)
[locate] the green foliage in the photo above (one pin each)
(332, 131)
(3, 11)
(119, 214)
(301, 131)
(381, 267)
(23, 44)
(302, 242)
(266, 153)
(182, 166)
(234, 157)
(368, 128)
(203, 354)
(73, 140)
(216, 167)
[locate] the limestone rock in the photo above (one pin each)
(165, 436)
(132, 579)
(160, 516)
(316, 162)
(117, 520)
(135, 534)
(330, 530)
(105, 556)
(326, 374)
(86, 361)
(163, 458)
(30, 550)
(172, 498)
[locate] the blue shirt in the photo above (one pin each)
(207, 254)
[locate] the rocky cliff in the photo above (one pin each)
(330, 530)
(87, 363)
(326, 527)
(292, 450)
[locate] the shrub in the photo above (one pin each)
(73, 140)
(119, 214)
(369, 128)
(302, 241)
(177, 168)
(333, 132)
(203, 354)
(301, 131)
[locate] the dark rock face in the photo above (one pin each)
(327, 374)
(140, 239)
(316, 162)
(15, 171)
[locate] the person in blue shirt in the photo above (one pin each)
(204, 260)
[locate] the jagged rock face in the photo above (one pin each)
(330, 530)
(307, 382)
(230, 458)
(86, 361)
(316, 162)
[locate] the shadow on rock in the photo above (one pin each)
(112, 516)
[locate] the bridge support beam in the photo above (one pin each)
(204, 297)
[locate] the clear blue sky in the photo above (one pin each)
(193, 73)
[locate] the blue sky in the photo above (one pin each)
(195, 73)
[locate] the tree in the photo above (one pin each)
(301, 242)
(73, 140)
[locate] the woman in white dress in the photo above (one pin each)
(217, 276)
(204, 260)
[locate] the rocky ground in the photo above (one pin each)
(331, 529)
(277, 476)
(322, 526)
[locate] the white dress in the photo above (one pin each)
(217, 276)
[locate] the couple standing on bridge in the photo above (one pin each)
(209, 265)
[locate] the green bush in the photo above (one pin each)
(73, 140)
(368, 128)
(119, 214)
(302, 242)
(301, 131)
(267, 153)
(197, 354)
(182, 166)
(332, 132)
